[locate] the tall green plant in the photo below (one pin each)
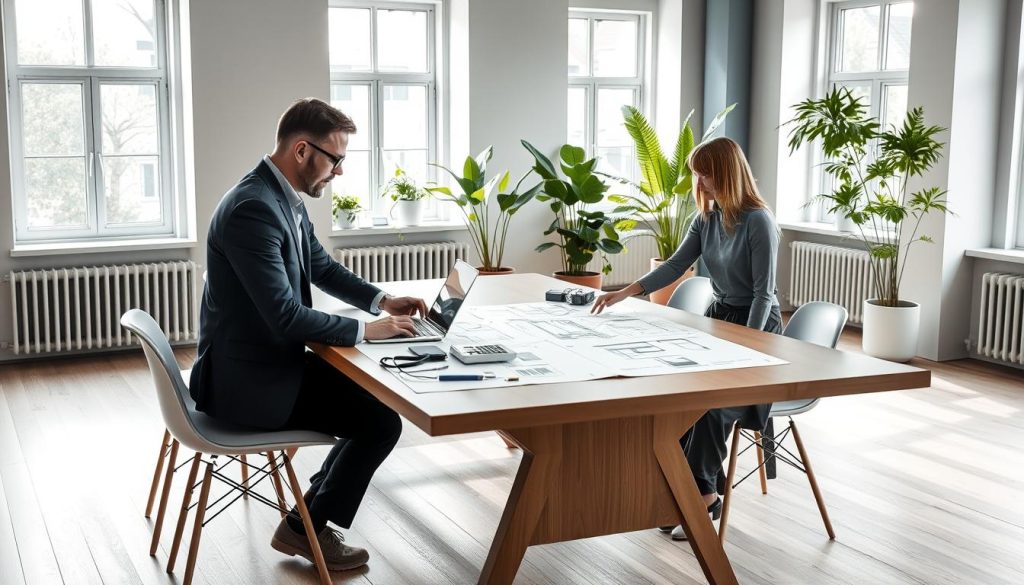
(871, 167)
(665, 203)
(488, 227)
(582, 232)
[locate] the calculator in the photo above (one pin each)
(482, 354)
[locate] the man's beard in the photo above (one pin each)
(311, 188)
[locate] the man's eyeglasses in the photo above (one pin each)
(334, 158)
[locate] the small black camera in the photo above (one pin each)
(573, 296)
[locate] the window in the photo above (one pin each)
(607, 66)
(89, 117)
(383, 75)
(869, 53)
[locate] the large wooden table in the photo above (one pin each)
(603, 457)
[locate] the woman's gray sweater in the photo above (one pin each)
(742, 264)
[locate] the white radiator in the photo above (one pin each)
(632, 263)
(71, 309)
(1001, 322)
(405, 262)
(830, 273)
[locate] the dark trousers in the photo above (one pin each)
(367, 431)
(705, 443)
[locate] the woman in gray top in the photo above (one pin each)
(737, 237)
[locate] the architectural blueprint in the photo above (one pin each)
(557, 342)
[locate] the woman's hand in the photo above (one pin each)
(609, 299)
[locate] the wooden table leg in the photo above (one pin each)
(541, 455)
(701, 533)
(586, 479)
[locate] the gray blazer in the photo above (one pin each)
(256, 314)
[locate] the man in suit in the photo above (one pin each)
(256, 318)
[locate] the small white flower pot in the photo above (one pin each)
(408, 213)
(891, 333)
(342, 222)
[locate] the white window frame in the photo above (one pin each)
(379, 206)
(92, 78)
(877, 81)
(592, 84)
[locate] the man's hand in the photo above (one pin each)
(404, 306)
(388, 327)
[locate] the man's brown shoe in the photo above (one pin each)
(337, 555)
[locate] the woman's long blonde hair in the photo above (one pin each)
(722, 161)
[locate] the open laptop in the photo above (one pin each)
(444, 309)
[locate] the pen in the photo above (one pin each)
(463, 377)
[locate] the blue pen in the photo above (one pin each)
(463, 377)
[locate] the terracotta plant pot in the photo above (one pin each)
(589, 279)
(661, 296)
(496, 272)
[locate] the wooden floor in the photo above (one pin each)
(923, 486)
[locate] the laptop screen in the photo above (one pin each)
(453, 293)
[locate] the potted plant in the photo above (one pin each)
(488, 226)
(665, 203)
(345, 209)
(583, 232)
(407, 196)
(871, 167)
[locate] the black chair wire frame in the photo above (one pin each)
(771, 445)
(259, 473)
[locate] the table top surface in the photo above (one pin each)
(813, 371)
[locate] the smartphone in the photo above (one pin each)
(432, 352)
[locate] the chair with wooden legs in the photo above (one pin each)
(820, 323)
(211, 439)
(169, 452)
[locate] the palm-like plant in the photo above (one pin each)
(665, 203)
(488, 227)
(871, 167)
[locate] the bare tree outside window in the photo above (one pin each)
(91, 119)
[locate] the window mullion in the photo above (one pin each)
(90, 43)
(376, 145)
(98, 183)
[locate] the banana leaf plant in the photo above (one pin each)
(664, 202)
(583, 231)
(487, 223)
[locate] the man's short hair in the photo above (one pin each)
(313, 117)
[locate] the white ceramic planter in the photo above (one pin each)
(890, 333)
(342, 222)
(845, 224)
(408, 213)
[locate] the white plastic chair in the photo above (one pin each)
(210, 439)
(820, 323)
(693, 295)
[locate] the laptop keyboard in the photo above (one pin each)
(426, 328)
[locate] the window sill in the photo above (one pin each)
(1015, 256)
(825, 229)
(54, 249)
(427, 227)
